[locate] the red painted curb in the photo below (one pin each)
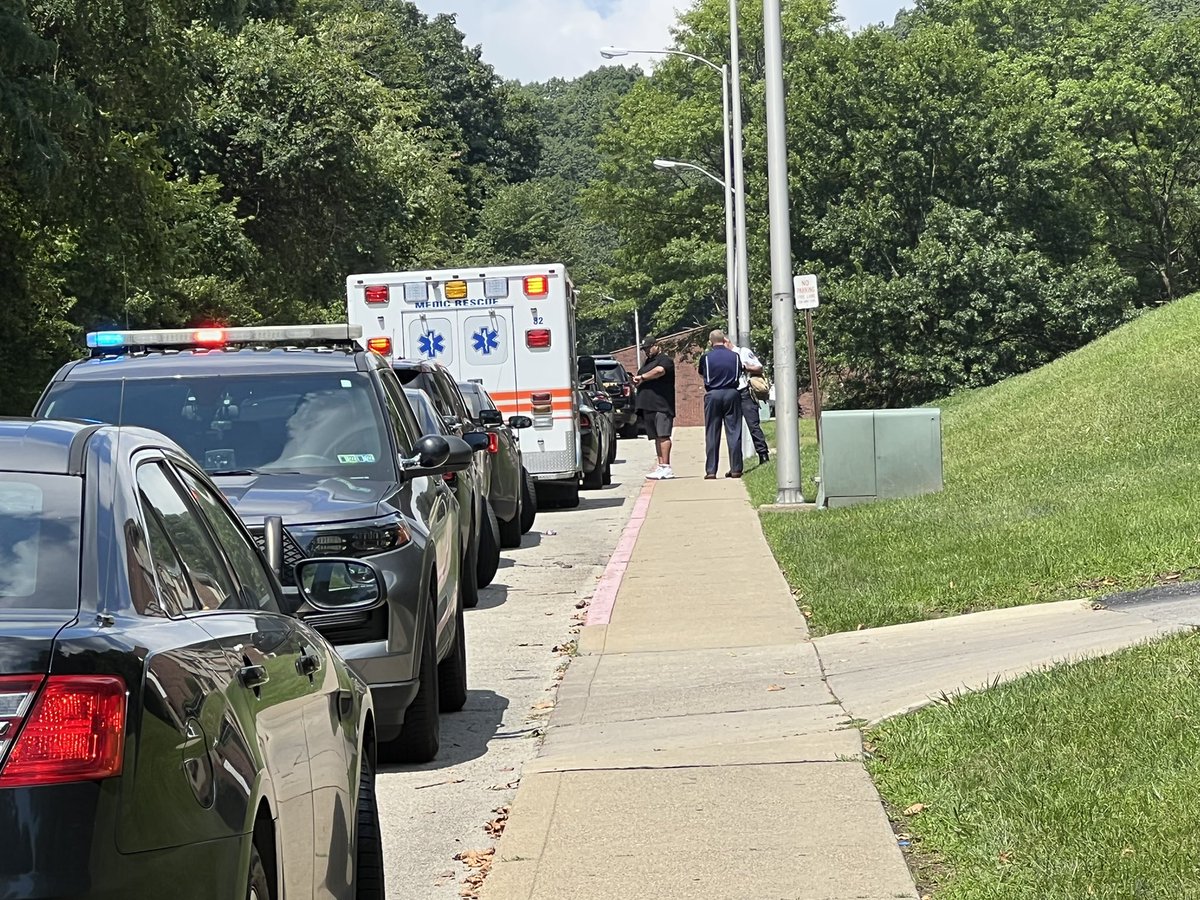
(601, 606)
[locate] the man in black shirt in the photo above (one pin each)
(655, 402)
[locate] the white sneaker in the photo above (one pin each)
(664, 473)
(656, 472)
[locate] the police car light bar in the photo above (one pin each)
(281, 335)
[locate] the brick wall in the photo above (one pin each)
(686, 350)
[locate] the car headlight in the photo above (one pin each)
(362, 540)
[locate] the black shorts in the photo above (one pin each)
(658, 424)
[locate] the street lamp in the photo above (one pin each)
(680, 164)
(731, 268)
(637, 330)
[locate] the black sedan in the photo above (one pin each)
(597, 437)
(163, 726)
(510, 485)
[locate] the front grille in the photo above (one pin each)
(292, 554)
(354, 628)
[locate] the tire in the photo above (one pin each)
(420, 738)
(630, 431)
(258, 885)
(570, 497)
(468, 581)
(489, 547)
(529, 502)
(607, 480)
(612, 450)
(593, 479)
(368, 850)
(452, 671)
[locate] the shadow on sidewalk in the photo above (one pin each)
(495, 594)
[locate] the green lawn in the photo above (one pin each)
(1082, 782)
(1076, 479)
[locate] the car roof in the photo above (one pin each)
(51, 446)
(424, 365)
(248, 361)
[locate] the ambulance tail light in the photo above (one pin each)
(537, 338)
(376, 293)
(380, 345)
(536, 285)
(542, 404)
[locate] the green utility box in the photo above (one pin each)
(879, 454)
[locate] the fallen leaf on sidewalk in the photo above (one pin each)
(776, 687)
(476, 859)
(545, 704)
(508, 786)
(916, 809)
(495, 828)
(789, 673)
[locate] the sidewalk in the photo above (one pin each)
(695, 750)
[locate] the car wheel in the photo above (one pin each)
(630, 431)
(420, 737)
(612, 450)
(368, 852)
(452, 671)
(258, 885)
(570, 497)
(607, 473)
(529, 503)
(468, 581)
(489, 547)
(593, 479)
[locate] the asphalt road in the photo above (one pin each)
(431, 813)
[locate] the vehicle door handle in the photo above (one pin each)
(308, 664)
(253, 676)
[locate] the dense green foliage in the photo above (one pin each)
(980, 189)
(165, 162)
(1070, 481)
(1081, 781)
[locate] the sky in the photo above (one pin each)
(533, 40)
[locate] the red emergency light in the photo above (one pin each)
(209, 337)
(537, 338)
(376, 293)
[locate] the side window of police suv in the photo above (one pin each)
(400, 414)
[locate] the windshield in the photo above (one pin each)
(39, 541)
(610, 371)
(474, 398)
(319, 423)
(427, 416)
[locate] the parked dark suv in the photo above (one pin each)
(612, 378)
(299, 422)
(437, 382)
(509, 482)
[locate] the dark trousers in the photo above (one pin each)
(750, 414)
(722, 409)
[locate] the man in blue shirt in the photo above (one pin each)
(721, 368)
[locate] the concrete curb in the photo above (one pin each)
(605, 597)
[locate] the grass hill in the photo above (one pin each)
(1077, 479)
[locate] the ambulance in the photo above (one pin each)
(508, 328)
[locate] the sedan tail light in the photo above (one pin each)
(585, 421)
(493, 442)
(72, 730)
(626, 390)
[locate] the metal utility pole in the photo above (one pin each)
(637, 337)
(739, 188)
(730, 263)
(783, 313)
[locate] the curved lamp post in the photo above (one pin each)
(731, 266)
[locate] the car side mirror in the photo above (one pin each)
(519, 422)
(478, 440)
(490, 417)
(335, 584)
(429, 452)
(450, 422)
(603, 406)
